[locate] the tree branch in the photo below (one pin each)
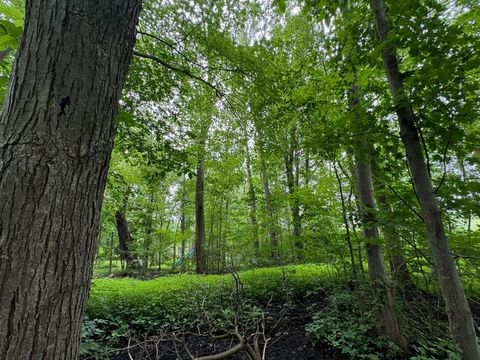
(405, 202)
(180, 70)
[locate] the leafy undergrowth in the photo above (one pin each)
(121, 307)
(332, 312)
(174, 300)
(348, 323)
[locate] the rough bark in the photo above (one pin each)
(459, 315)
(56, 134)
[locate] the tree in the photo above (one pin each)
(57, 128)
(200, 255)
(459, 315)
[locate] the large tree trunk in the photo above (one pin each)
(125, 240)
(459, 315)
(56, 134)
(200, 255)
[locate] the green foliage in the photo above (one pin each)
(172, 300)
(175, 301)
(436, 349)
(349, 322)
(11, 28)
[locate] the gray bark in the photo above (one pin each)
(459, 315)
(376, 263)
(56, 134)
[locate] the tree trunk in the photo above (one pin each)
(110, 255)
(289, 160)
(125, 240)
(345, 222)
(268, 206)
(56, 134)
(376, 264)
(253, 204)
(199, 201)
(396, 257)
(183, 221)
(211, 254)
(459, 315)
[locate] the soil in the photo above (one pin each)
(285, 329)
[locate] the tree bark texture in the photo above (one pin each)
(56, 134)
(459, 315)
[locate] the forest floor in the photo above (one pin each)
(284, 329)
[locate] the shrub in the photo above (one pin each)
(348, 323)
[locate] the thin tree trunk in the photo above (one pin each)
(253, 204)
(376, 264)
(111, 255)
(268, 205)
(148, 232)
(396, 257)
(345, 222)
(183, 222)
(56, 135)
(459, 315)
(211, 256)
(289, 159)
(200, 255)
(220, 227)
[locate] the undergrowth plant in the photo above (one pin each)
(348, 323)
(118, 307)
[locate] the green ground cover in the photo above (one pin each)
(173, 299)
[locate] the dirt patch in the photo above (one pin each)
(285, 331)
